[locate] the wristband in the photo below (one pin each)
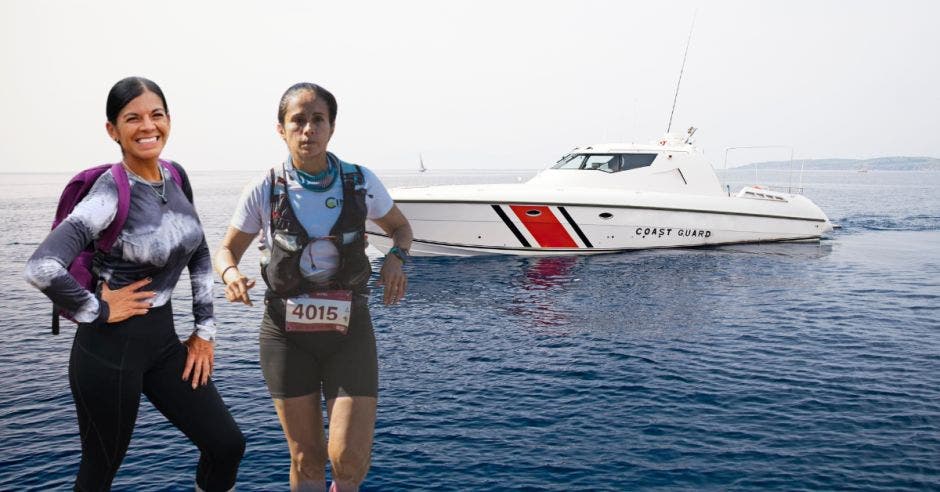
(402, 254)
(226, 271)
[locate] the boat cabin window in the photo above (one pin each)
(570, 161)
(633, 161)
(608, 163)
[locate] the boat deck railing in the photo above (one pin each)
(789, 188)
(798, 190)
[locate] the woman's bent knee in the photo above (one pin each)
(229, 449)
(237, 447)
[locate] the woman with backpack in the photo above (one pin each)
(126, 343)
(316, 335)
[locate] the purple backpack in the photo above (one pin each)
(74, 192)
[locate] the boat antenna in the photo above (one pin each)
(676, 97)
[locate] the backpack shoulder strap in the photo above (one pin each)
(275, 181)
(75, 190)
(351, 173)
(179, 177)
(175, 169)
(272, 195)
(109, 234)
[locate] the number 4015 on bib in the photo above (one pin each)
(319, 311)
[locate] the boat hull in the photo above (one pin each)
(481, 228)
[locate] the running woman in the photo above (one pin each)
(316, 334)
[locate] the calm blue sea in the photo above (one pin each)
(767, 367)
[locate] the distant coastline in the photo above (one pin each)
(876, 164)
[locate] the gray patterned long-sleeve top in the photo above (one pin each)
(157, 241)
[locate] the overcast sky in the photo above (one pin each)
(475, 85)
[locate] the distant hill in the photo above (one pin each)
(876, 164)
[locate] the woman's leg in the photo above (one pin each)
(302, 421)
(107, 397)
(350, 385)
(352, 425)
(292, 374)
(200, 414)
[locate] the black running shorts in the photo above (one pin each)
(298, 364)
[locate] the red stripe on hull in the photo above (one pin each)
(544, 227)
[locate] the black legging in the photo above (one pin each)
(111, 366)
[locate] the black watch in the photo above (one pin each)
(401, 253)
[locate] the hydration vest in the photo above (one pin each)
(281, 272)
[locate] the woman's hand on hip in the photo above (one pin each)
(200, 360)
(127, 301)
(393, 280)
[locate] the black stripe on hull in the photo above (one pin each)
(512, 227)
(574, 226)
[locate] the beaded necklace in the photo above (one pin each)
(160, 194)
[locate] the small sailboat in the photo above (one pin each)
(421, 167)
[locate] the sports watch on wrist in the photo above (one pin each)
(401, 253)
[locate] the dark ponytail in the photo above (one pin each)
(125, 91)
(307, 86)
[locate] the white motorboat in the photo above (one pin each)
(601, 199)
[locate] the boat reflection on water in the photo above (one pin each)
(545, 273)
(652, 294)
(543, 282)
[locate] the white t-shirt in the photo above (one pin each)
(317, 212)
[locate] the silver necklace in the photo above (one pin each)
(160, 194)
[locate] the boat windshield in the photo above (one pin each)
(608, 163)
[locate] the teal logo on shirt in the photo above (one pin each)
(332, 202)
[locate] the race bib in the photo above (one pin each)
(319, 311)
